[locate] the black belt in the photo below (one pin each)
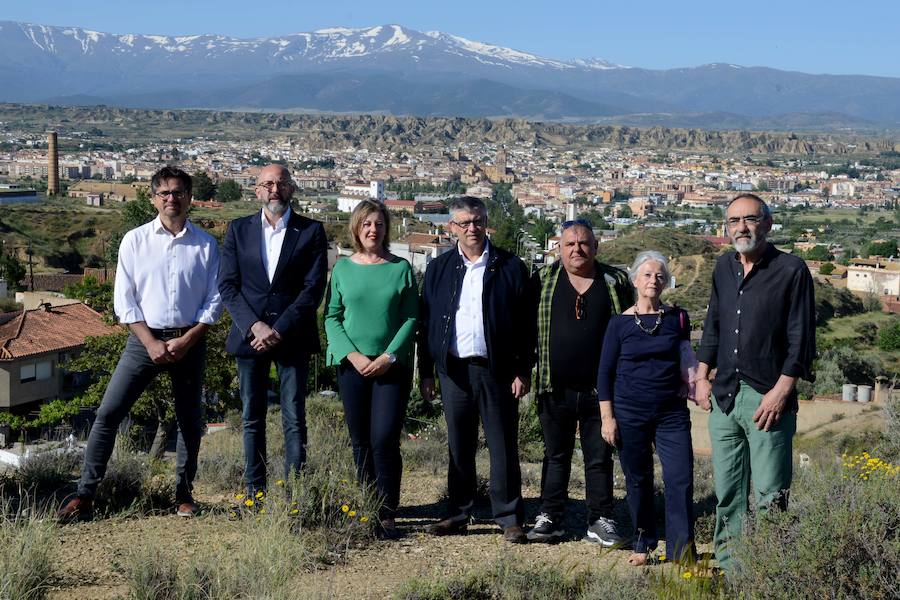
(479, 361)
(169, 333)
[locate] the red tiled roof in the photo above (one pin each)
(41, 330)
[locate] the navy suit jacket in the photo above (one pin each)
(289, 302)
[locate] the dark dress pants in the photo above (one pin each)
(561, 412)
(668, 426)
(133, 374)
(253, 376)
(374, 410)
(470, 390)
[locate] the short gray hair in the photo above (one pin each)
(468, 204)
(648, 256)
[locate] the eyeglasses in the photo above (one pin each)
(271, 185)
(579, 307)
(581, 222)
(177, 194)
(749, 220)
(478, 223)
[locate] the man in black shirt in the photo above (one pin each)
(574, 307)
(759, 335)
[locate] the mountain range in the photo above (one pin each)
(396, 70)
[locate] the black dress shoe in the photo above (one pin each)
(448, 527)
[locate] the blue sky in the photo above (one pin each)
(822, 36)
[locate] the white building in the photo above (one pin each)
(355, 193)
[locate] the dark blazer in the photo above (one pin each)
(289, 303)
(508, 307)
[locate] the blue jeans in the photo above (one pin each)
(669, 428)
(253, 376)
(133, 374)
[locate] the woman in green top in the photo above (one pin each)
(370, 322)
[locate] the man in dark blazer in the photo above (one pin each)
(272, 279)
(478, 333)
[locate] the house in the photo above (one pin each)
(34, 347)
(877, 276)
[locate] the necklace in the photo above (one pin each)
(652, 330)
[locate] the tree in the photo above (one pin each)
(818, 252)
(826, 268)
(625, 212)
(889, 336)
(134, 214)
(12, 270)
(885, 248)
(228, 190)
(203, 187)
(89, 290)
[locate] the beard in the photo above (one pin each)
(277, 206)
(747, 244)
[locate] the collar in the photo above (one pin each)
(482, 258)
(279, 224)
(158, 228)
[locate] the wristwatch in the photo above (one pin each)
(392, 358)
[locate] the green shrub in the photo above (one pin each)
(27, 545)
(45, 474)
(889, 336)
(841, 537)
(427, 449)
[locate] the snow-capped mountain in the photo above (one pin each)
(400, 70)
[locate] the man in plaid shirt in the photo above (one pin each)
(577, 296)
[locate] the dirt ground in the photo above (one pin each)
(91, 554)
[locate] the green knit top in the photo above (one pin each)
(371, 309)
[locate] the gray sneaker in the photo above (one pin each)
(604, 531)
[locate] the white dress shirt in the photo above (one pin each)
(167, 280)
(272, 240)
(469, 340)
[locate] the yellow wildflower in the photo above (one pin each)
(262, 511)
(295, 511)
(351, 514)
(364, 519)
(280, 483)
(259, 495)
(345, 508)
(687, 575)
(239, 497)
(662, 558)
(248, 502)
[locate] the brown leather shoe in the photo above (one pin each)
(448, 527)
(187, 509)
(514, 534)
(76, 509)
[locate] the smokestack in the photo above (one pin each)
(52, 165)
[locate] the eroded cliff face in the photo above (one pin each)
(393, 133)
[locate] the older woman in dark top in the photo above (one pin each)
(640, 389)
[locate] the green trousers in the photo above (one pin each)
(741, 452)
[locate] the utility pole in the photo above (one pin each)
(30, 268)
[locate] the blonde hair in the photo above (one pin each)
(359, 214)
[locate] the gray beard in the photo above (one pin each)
(277, 207)
(744, 245)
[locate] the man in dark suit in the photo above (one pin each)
(478, 334)
(271, 280)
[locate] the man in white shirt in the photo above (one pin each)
(272, 280)
(478, 334)
(166, 291)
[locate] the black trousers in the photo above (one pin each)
(560, 412)
(468, 391)
(374, 410)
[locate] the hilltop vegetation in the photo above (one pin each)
(121, 126)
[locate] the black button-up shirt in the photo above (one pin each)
(760, 326)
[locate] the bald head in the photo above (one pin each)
(274, 188)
